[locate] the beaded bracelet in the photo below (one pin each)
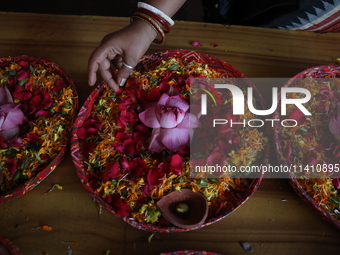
(157, 12)
(149, 20)
(159, 19)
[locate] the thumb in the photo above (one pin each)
(124, 72)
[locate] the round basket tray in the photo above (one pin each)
(328, 95)
(7, 246)
(189, 252)
(47, 97)
(90, 179)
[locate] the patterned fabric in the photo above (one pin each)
(311, 15)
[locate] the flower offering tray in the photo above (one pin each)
(38, 104)
(310, 148)
(112, 134)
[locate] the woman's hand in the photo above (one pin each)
(127, 45)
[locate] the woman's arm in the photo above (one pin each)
(127, 45)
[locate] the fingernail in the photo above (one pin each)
(122, 82)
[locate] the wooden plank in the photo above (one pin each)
(274, 220)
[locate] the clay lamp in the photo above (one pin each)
(184, 208)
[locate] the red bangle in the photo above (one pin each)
(160, 20)
(146, 18)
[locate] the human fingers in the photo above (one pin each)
(96, 58)
(107, 74)
(100, 62)
(125, 69)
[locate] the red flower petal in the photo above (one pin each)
(23, 64)
(123, 210)
(3, 145)
(129, 147)
(112, 172)
(22, 74)
(21, 94)
(16, 142)
(82, 134)
(128, 116)
(44, 157)
(336, 182)
(90, 126)
(138, 167)
(154, 176)
(195, 44)
(298, 115)
(217, 157)
(176, 164)
(121, 207)
(310, 159)
(154, 95)
(11, 165)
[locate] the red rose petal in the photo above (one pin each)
(195, 44)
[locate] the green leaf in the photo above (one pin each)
(303, 131)
(22, 82)
(334, 200)
(33, 70)
(202, 183)
(174, 67)
(152, 215)
(12, 72)
(153, 80)
(17, 176)
(211, 95)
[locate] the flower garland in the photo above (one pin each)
(47, 105)
(116, 139)
(312, 146)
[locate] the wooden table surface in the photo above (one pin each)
(274, 220)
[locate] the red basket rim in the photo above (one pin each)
(9, 245)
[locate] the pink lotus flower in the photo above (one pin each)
(171, 123)
(10, 115)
